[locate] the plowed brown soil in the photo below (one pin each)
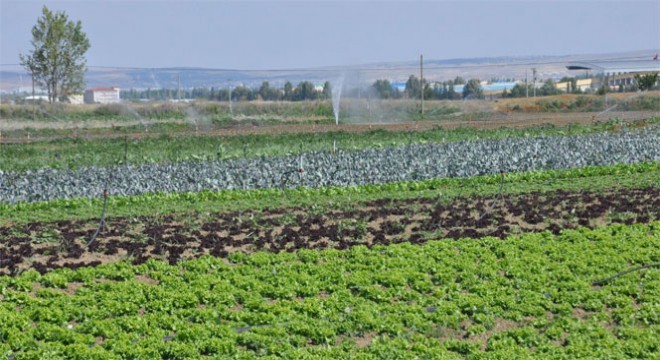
(45, 246)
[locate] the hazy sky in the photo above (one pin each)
(297, 34)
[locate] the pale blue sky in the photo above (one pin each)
(288, 34)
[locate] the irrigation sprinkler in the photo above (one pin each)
(106, 194)
(295, 175)
(102, 224)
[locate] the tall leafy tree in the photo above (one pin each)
(451, 92)
(383, 89)
(549, 88)
(288, 91)
(304, 91)
(646, 81)
(264, 89)
(327, 90)
(472, 89)
(57, 60)
(413, 87)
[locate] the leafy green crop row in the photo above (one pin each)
(522, 297)
(593, 177)
(74, 153)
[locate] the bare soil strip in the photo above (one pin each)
(46, 246)
(491, 121)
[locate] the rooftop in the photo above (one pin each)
(612, 66)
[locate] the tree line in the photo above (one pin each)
(303, 91)
(445, 90)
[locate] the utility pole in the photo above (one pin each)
(34, 101)
(231, 111)
(178, 87)
(526, 86)
(421, 81)
(534, 85)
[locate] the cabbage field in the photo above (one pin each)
(436, 244)
(344, 168)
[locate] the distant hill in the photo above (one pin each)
(16, 79)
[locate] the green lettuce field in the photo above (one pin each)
(519, 259)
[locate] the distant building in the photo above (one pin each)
(496, 87)
(102, 95)
(582, 84)
(399, 86)
(75, 99)
(617, 73)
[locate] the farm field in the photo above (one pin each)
(24, 123)
(526, 296)
(435, 243)
(174, 147)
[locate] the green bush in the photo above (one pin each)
(550, 105)
(108, 110)
(587, 103)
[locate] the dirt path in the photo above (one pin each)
(491, 121)
(46, 246)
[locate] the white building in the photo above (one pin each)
(102, 95)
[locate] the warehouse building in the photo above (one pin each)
(617, 72)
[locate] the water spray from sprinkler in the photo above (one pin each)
(336, 98)
(192, 114)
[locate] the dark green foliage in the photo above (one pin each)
(646, 81)
(413, 87)
(385, 90)
(548, 88)
(472, 90)
(519, 90)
